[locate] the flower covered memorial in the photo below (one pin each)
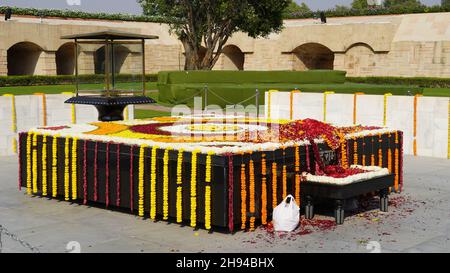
(205, 171)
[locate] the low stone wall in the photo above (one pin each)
(424, 120)
(20, 113)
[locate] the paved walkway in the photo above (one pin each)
(418, 221)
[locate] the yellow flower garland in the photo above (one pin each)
(34, 166)
(179, 186)
(55, 166)
(194, 188)
(166, 184)
(29, 174)
(396, 163)
(325, 94)
(208, 191)
(344, 155)
(66, 169)
(385, 108)
(153, 175)
(243, 197)
(141, 181)
(74, 168)
(44, 165)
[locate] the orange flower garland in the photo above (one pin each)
(284, 175)
(297, 173)
(274, 185)
(355, 151)
(380, 152)
(372, 155)
(252, 194)
(364, 153)
(243, 197)
(263, 190)
(344, 155)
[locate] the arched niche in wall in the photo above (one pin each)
(232, 58)
(23, 59)
(312, 56)
(65, 59)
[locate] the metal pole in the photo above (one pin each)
(257, 103)
(76, 67)
(143, 66)
(106, 68)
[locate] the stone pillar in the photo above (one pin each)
(339, 61)
(3, 62)
(86, 62)
(47, 64)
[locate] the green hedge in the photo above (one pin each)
(66, 79)
(416, 81)
(345, 12)
(84, 15)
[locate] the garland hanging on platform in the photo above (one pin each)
(380, 151)
(194, 188)
(389, 154)
(372, 153)
(284, 174)
(29, 174)
(118, 175)
(274, 185)
(153, 174)
(396, 164)
(208, 174)
(66, 169)
(230, 193)
(107, 175)
(401, 161)
(252, 193)
(85, 172)
(385, 108)
(297, 173)
(55, 166)
(141, 181)
(263, 189)
(44, 165)
(243, 197)
(355, 151)
(364, 152)
(34, 166)
(344, 155)
(131, 178)
(179, 200)
(166, 184)
(96, 170)
(74, 168)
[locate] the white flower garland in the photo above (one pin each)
(372, 172)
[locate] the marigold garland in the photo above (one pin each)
(55, 166)
(107, 175)
(208, 174)
(396, 163)
(230, 193)
(297, 173)
(166, 183)
(66, 169)
(95, 171)
(291, 103)
(85, 172)
(380, 152)
(284, 175)
(415, 126)
(35, 165)
(252, 193)
(243, 197)
(269, 102)
(274, 185)
(364, 153)
(263, 189)
(385, 108)
(74, 168)
(44, 165)
(118, 175)
(194, 188)
(325, 94)
(179, 201)
(355, 151)
(344, 156)
(372, 154)
(400, 163)
(29, 174)
(141, 181)
(153, 175)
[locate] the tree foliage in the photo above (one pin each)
(359, 4)
(204, 26)
(402, 4)
(445, 3)
(294, 9)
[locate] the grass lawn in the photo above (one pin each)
(140, 113)
(57, 89)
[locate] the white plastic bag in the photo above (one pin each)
(286, 216)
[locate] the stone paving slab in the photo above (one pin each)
(418, 221)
